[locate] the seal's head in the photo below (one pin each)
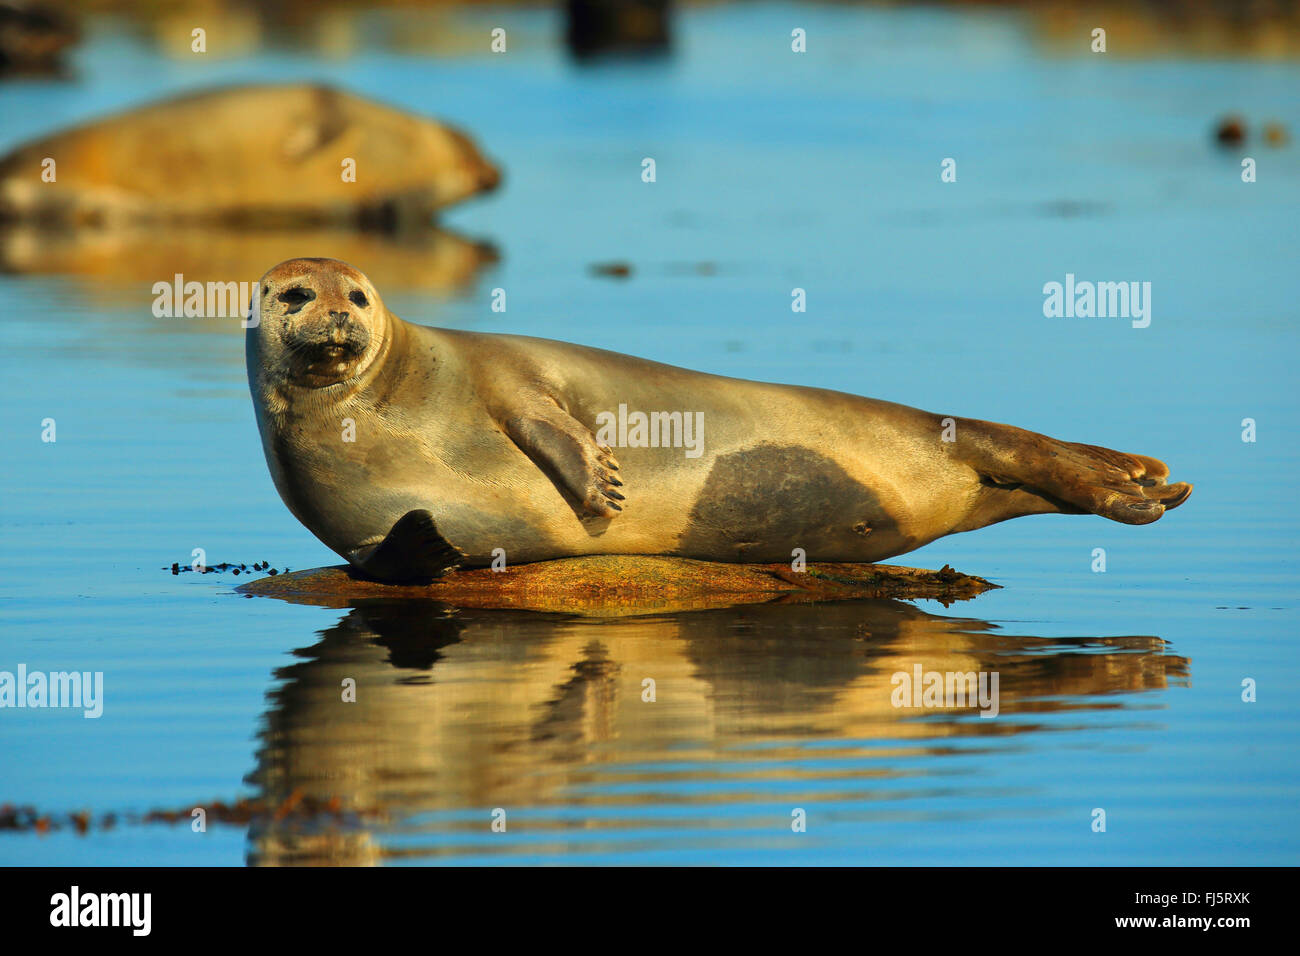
(320, 322)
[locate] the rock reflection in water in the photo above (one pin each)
(470, 710)
(426, 260)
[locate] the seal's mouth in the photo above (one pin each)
(326, 348)
(325, 359)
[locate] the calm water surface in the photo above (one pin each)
(1120, 690)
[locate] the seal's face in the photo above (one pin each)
(321, 322)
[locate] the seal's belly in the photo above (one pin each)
(745, 499)
(770, 502)
(757, 504)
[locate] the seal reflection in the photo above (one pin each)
(458, 712)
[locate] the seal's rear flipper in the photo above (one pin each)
(413, 551)
(1131, 489)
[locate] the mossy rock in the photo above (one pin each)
(625, 585)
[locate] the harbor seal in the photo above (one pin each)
(410, 450)
(264, 156)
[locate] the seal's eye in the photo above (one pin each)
(358, 298)
(296, 297)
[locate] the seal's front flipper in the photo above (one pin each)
(567, 452)
(413, 551)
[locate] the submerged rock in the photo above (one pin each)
(1276, 134)
(626, 585)
(264, 156)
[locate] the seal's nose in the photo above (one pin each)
(338, 333)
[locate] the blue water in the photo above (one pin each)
(1121, 690)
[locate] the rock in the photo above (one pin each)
(252, 157)
(33, 38)
(618, 27)
(613, 270)
(627, 585)
(1230, 131)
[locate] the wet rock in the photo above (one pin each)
(622, 586)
